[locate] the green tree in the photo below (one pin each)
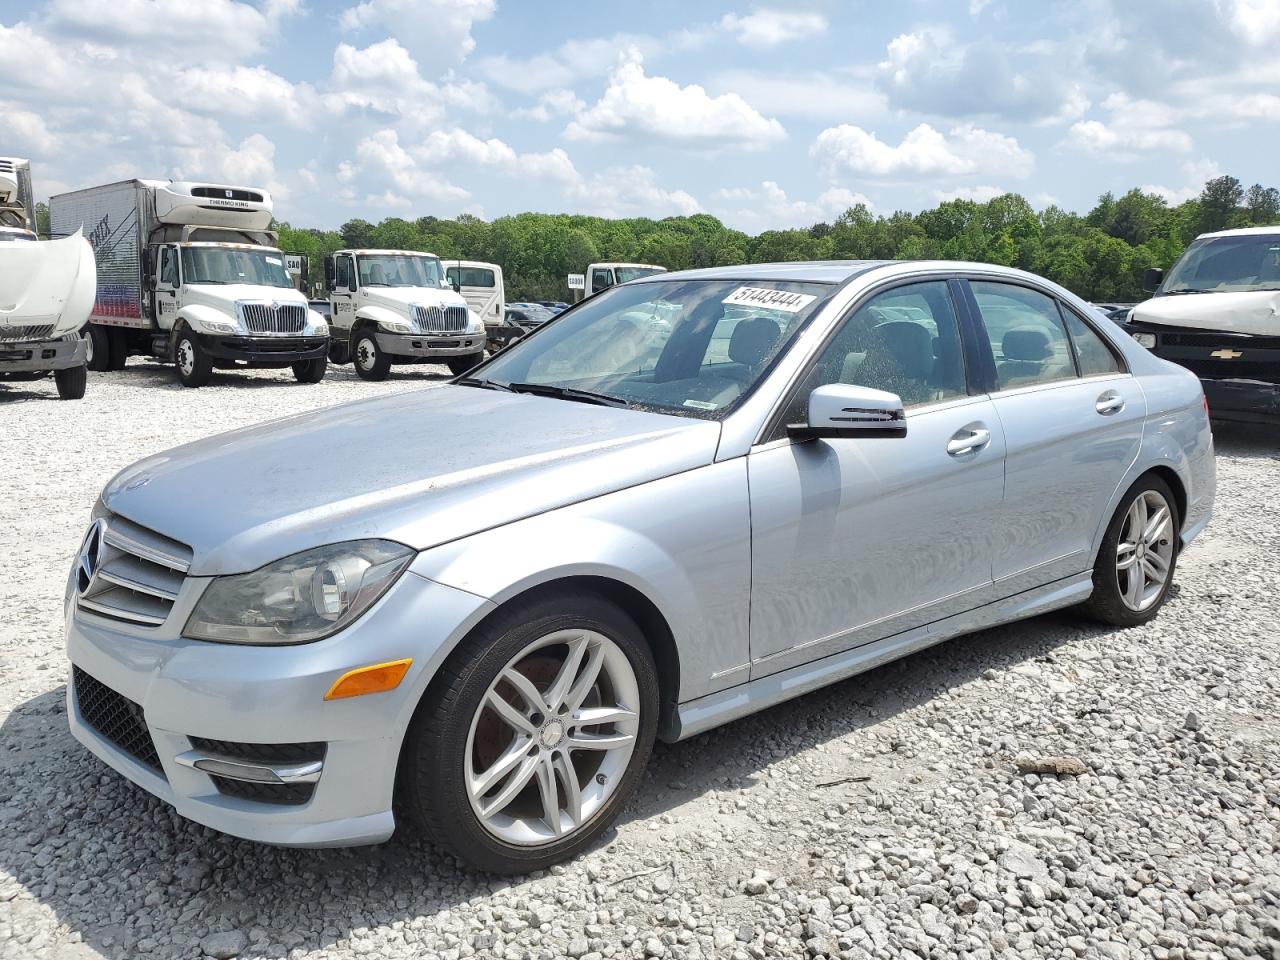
(1219, 204)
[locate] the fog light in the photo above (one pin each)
(1147, 340)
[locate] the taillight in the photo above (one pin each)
(1205, 398)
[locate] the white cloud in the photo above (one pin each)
(554, 103)
(1134, 125)
(924, 152)
(1197, 174)
(930, 71)
(768, 206)
(383, 80)
(253, 162)
(458, 147)
(818, 94)
(630, 192)
(245, 92)
(655, 108)
(438, 31)
(26, 134)
(382, 155)
(978, 194)
(771, 27)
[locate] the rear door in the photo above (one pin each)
(856, 539)
(1072, 418)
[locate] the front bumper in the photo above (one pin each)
(1243, 401)
(186, 689)
(42, 355)
(433, 345)
(264, 351)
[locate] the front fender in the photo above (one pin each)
(376, 314)
(198, 316)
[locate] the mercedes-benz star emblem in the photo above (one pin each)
(90, 555)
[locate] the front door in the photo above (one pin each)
(854, 540)
(167, 284)
(1072, 419)
(342, 305)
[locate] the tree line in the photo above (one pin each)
(1100, 256)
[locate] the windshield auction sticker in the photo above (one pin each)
(782, 300)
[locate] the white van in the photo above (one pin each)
(481, 286)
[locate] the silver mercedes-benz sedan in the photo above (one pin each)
(683, 500)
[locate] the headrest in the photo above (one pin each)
(910, 344)
(752, 340)
(1026, 343)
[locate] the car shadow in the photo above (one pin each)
(116, 865)
(1251, 441)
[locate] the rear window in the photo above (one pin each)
(471, 276)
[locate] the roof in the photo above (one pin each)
(811, 271)
(363, 252)
(1273, 231)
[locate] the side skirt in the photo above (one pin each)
(695, 716)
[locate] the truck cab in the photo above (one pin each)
(397, 306)
(481, 285)
(602, 276)
(190, 273)
(1217, 312)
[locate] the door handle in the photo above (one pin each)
(968, 440)
(1109, 403)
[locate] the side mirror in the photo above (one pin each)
(841, 410)
(328, 273)
(1152, 278)
(457, 287)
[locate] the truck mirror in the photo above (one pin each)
(457, 287)
(1152, 279)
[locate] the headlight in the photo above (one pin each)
(1147, 340)
(305, 597)
(218, 328)
(320, 329)
(395, 326)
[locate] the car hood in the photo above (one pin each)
(224, 295)
(1256, 312)
(48, 283)
(422, 469)
(401, 298)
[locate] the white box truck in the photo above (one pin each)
(395, 306)
(46, 292)
(189, 273)
(602, 276)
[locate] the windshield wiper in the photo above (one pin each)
(1175, 293)
(567, 393)
(484, 384)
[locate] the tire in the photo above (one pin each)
(193, 364)
(460, 365)
(118, 347)
(455, 738)
(339, 352)
(370, 360)
(71, 382)
(98, 348)
(1118, 598)
(310, 371)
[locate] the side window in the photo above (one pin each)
(1027, 337)
(451, 275)
(905, 340)
(344, 272)
(1093, 353)
(168, 266)
(600, 280)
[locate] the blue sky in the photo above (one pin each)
(768, 115)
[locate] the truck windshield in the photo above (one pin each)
(223, 265)
(635, 273)
(1227, 265)
(399, 270)
(692, 348)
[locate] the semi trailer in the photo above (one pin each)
(189, 273)
(46, 292)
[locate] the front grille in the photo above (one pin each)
(227, 193)
(1214, 340)
(130, 573)
(1232, 369)
(280, 794)
(25, 334)
(116, 717)
(439, 319)
(274, 318)
(269, 753)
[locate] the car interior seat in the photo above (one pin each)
(1025, 354)
(900, 360)
(753, 339)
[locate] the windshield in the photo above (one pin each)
(689, 347)
(263, 268)
(1227, 265)
(635, 273)
(399, 270)
(532, 311)
(14, 234)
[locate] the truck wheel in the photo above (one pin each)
(339, 352)
(97, 348)
(371, 362)
(533, 734)
(460, 365)
(310, 371)
(71, 382)
(193, 363)
(118, 345)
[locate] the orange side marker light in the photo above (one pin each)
(376, 678)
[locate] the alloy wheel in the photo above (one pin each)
(552, 737)
(1144, 554)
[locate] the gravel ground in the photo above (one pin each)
(886, 816)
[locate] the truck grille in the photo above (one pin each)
(25, 334)
(116, 717)
(127, 572)
(286, 318)
(439, 319)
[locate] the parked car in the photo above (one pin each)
(505, 588)
(555, 306)
(519, 320)
(1217, 313)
